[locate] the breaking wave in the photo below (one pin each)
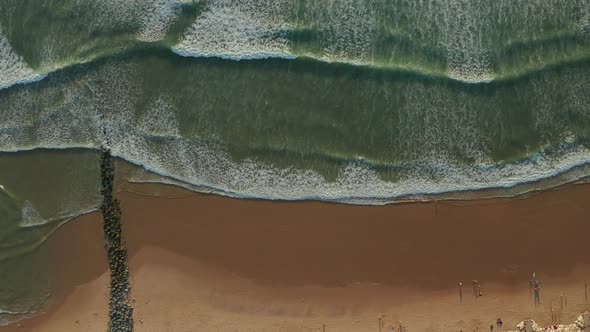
(439, 141)
(468, 41)
(102, 100)
(13, 69)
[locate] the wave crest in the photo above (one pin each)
(13, 69)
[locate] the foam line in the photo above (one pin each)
(13, 69)
(246, 29)
(156, 18)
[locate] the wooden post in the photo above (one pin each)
(324, 327)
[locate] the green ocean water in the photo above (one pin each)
(340, 100)
(40, 191)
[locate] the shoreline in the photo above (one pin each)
(560, 178)
(204, 262)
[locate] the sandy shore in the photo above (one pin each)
(206, 263)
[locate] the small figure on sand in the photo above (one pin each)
(499, 323)
(538, 292)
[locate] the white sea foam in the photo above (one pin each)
(255, 29)
(30, 216)
(584, 24)
(22, 310)
(469, 58)
(192, 162)
(201, 164)
(152, 139)
(159, 119)
(246, 29)
(11, 316)
(357, 181)
(345, 32)
(12, 312)
(156, 18)
(13, 69)
(73, 204)
(346, 29)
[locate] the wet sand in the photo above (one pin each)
(207, 263)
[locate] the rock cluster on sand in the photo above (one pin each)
(120, 309)
(528, 325)
(583, 321)
(578, 326)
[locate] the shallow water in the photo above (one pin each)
(40, 191)
(341, 100)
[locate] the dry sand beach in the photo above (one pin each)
(208, 263)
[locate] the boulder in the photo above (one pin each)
(528, 325)
(583, 322)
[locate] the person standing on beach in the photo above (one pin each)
(537, 292)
